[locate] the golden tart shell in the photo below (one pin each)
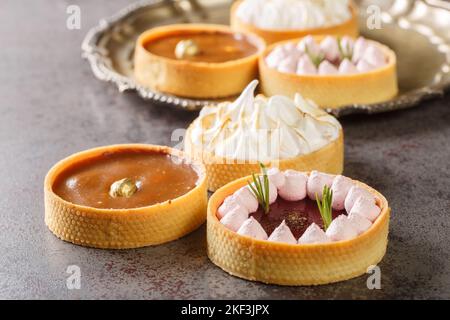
(220, 171)
(123, 228)
(347, 28)
(333, 91)
(294, 265)
(194, 79)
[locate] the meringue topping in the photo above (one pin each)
(283, 234)
(294, 14)
(253, 229)
(263, 129)
(314, 234)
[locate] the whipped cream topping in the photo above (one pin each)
(293, 185)
(282, 233)
(332, 56)
(263, 129)
(293, 14)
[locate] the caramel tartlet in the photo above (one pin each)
(125, 196)
(271, 35)
(263, 246)
(197, 60)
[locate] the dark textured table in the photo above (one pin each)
(51, 106)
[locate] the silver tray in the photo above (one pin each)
(417, 30)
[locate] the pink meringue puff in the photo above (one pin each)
(288, 65)
(252, 228)
(341, 186)
(326, 67)
(282, 233)
(364, 66)
(314, 234)
(245, 197)
(374, 56)
(359, 48)
(366, 207)
(229, 204)
(341, 229)
(316, 182)
(353, 194)
(358, 222)
(276, 177)
(309, 46)
(234, 219)
(330, 47)
(305, 66)
(275, 57)
(294, 188)
(347, 67)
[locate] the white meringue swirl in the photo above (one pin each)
(263, 129)
(293, 14)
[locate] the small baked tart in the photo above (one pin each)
(197, 60)
(125, 196)
(233, 137)
(333, 72)
(280, 238)
(280, 20)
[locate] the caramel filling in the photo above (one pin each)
(213, 47)
(159, 177)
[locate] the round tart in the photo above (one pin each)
(333, 72)
(233, 137)
(197, 60)
(288, 244)
(278, 28)
(125, 196)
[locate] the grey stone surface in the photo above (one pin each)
(52, 106)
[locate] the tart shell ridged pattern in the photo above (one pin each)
(294, 264)
(220, 171)
(348, 28)
(333, 91)
(123, 228)
(194, 79)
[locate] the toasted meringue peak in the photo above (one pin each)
(229, 204)
(252, 228)
(353, 194)
(346, 67)
(330, 47)
(305, 66)
(316, 182)
(366, 207)
(341, 229)
(358, 222)
(234, 219)
(340, 187)
(293, 14)
(245, 197)
(263, 129)
(276, 177)
(326, 67)
(282, 233)
(294, 188)
(314, 234)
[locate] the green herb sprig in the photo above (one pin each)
(325, 206)
(261, 189)
(346, 53)
(315, 59)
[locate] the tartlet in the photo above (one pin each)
(198, 60)
(316, 137)
(371, 84)
(270, 35)
(83, 208)
(276, 261)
